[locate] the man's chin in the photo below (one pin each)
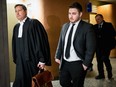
(72, 21)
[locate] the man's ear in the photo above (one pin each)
(81, 14)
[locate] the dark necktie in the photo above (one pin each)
(67, 52)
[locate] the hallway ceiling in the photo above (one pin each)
(101, 2)
(108, 1)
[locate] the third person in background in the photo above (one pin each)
(105, 36)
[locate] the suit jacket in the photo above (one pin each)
(84, 42)
(105, 36)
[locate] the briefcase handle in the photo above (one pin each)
(41, 70)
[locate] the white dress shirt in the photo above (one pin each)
(73, 55)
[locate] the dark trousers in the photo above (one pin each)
(72, 74)
(103, 57)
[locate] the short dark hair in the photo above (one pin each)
(99, 15)
(76, 5)
(23, 6)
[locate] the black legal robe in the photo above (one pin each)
(29, 50)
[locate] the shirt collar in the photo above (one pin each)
(76, 23)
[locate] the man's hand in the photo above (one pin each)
(41, 65)
(57, 60)
(84, 67)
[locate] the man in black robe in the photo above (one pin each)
(30, 47)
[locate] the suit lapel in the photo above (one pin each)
(78, 29)
(65, 30)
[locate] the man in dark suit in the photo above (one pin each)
(105, 36)
(30, 47)
(75, 54)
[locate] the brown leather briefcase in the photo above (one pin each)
(42, 79)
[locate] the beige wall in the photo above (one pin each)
(92, 18)
(11, 21)
(54, 14)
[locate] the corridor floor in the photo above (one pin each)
(90, 80)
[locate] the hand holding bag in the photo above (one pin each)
(42, 79)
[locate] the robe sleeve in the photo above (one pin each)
(42, 49)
